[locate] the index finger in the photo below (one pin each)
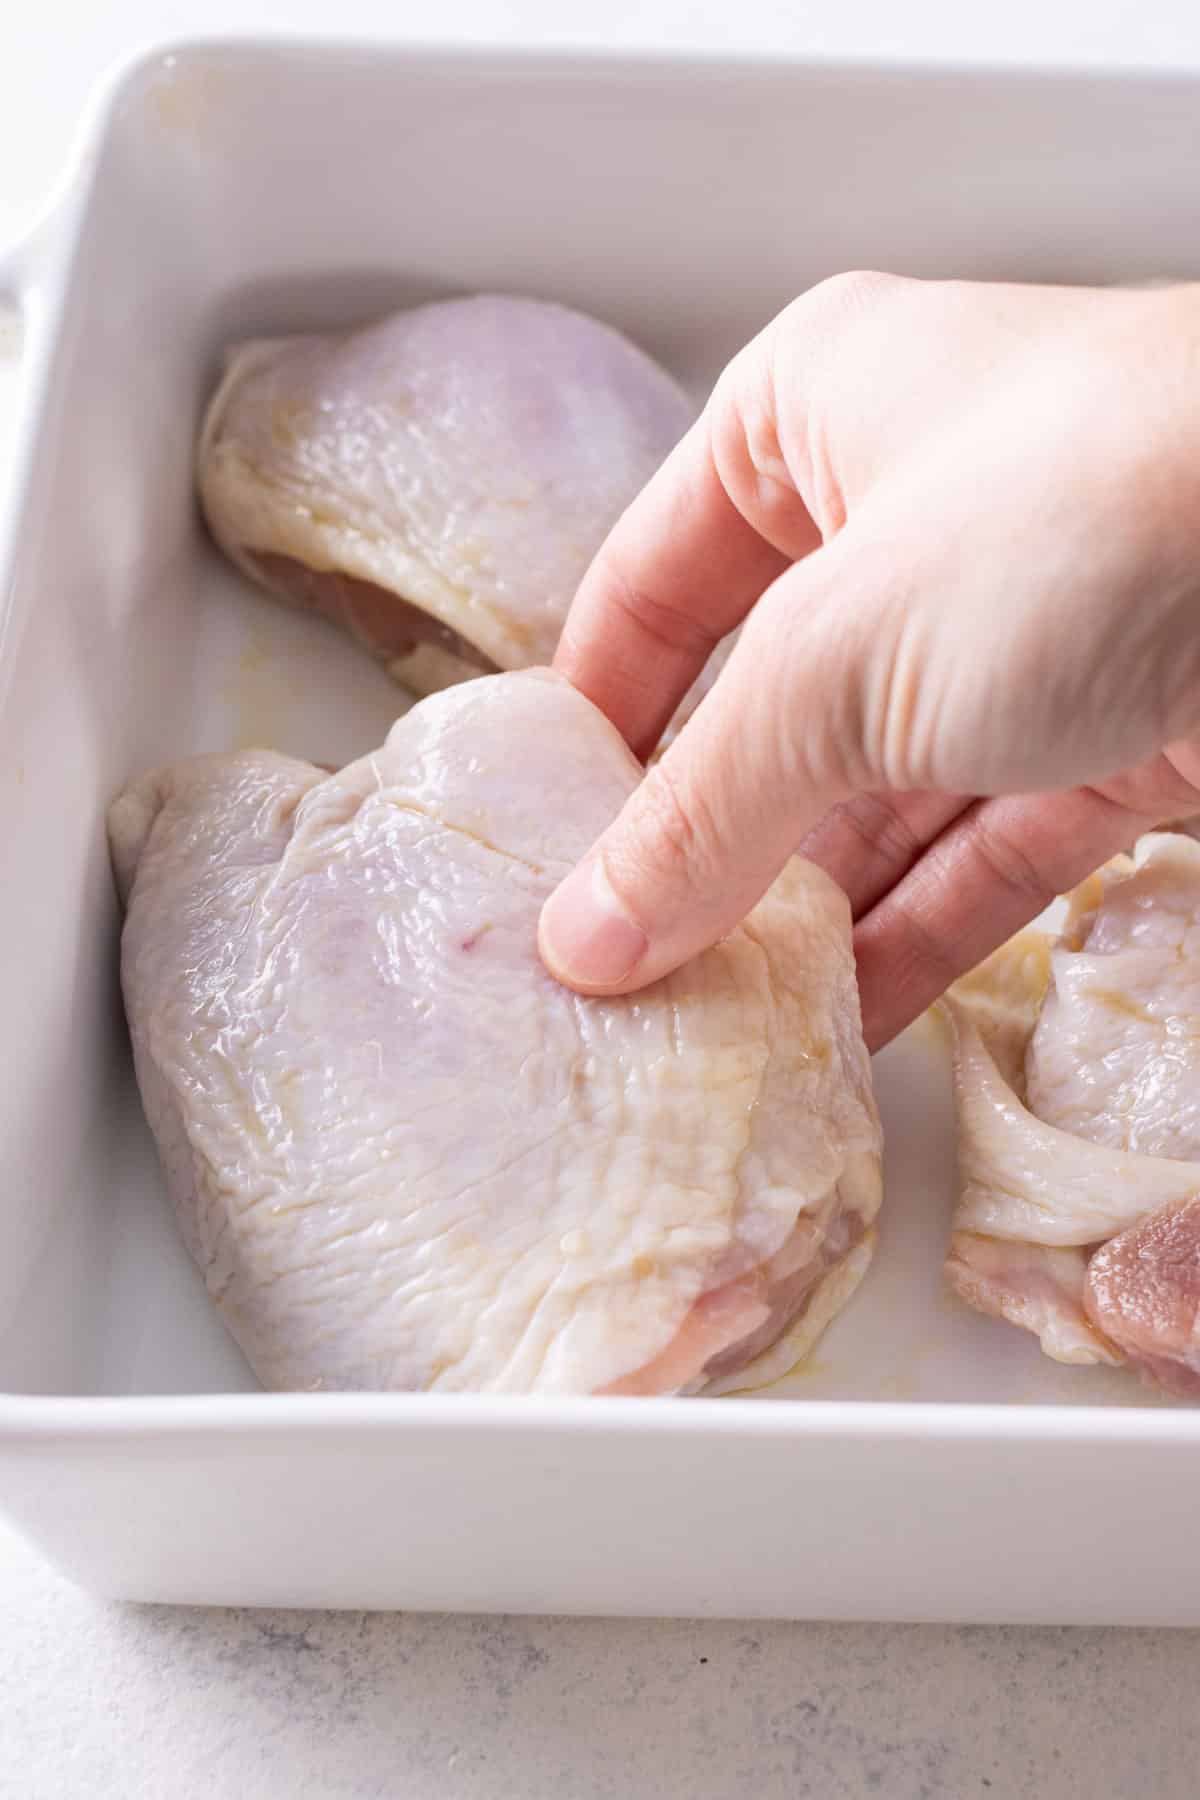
(679, 570)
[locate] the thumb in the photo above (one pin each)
(770, 750)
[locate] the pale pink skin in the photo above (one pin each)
(1100, 1151)
(442, 477)
(403, 1155)
(1034, 1286)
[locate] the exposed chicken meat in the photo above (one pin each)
(1077, 1072)
(437, 482)
(1143, 1289)
(1031, 1285)
(402, 1155)
(1115, 1055)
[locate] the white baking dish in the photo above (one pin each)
(929, 1464)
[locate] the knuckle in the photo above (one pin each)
(922, 962)
(812, 363)
(1008, 865)
(764, 416)
(875, 821)
(744, 427)
(658, 620)
(846, 295)
(748, 393)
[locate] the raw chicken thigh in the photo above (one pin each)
(402, 1155)
(437, 482)
(1078, 1087)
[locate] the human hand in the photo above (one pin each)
(967, 520)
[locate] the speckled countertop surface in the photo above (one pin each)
(99, 1700)
(170, 1704)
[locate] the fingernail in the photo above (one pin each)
(586, 936)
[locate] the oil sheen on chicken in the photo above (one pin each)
(437, 482)
(1078, 1087)
(403, 1156)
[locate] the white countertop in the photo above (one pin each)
(105, 1700)
(168, 1704)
